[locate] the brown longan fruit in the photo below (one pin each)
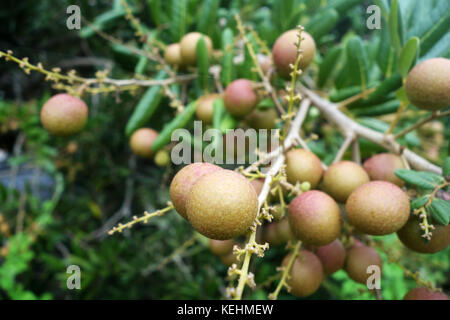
(315, 218)
(229, 259)
(284, 231)
(303, 165)
(172, 54)
(257, 185)
(427, 85)
(284, 51)
(188, 47)
(382, 167)
(306, 273)
(332, 256)
(411, 236)
(262, 118)
(64, 115)
(423, 293)
(358, 259)
(240, 98)
(184, 180)
(222, 205)
(342, 178)
(270, 234)
(378, 208)
(141, 142)
(221, 247)
(205, 107)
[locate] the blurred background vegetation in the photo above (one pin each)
(59, 196)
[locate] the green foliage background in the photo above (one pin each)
(92, 184)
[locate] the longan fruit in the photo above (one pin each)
(382, 167)
(172, 54)
(262, 118)
(221, 247)
(229, 259)
(64, 115)
(184, 180)
(222, 205)
(378, 208)
(423, 293)
(257, 185)
(315, 218)
(342, 178)
(358, 259)
(332, 256)
(188, 47)
(205, 107)
(141, 142)
(427, 85)
(240, 98)
(284, 231)
(284, 51)
(303, 165)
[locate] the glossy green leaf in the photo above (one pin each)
(328, 65)
(227, 59)
(178, 21)
(408, 56)
(203, 64)
(322, 23)
(208, 16)
(422, 179)
(394, 26)
(419, 202)
(359, 66)
(446, 167)
(440, 210)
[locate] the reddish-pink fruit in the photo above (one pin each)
(205, 107)
(306, 273)
(342, 178)
(184, 180)
(427, 85)
(221, 247)
(172, 54)
(257, 185)
(315, 218)
(303, 165)
(378, 208)
(240, 98)
(332, 256)
(141, 142)
(222, 205)
(423, 293)
(64, 115)
(382, 167)
(358, 260)
(284, 51)
(188, 47)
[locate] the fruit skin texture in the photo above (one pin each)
(172, 54)
(141, 142)
(257, 185)
(221, 247)
(342, 178)
(229, 259)
(382, 167)
(315, 218)
(188, 47)
(222, 205)
(357, 261)
(205, 108)
(284, 231)
(284, 51)
(239, 98)
(411, 236)
(332, 256)
(262, 118)
(423, 293)
(306, 273)
(428, 84)
(184, 180)
(64, 115)
(378, 208)
(303, 165)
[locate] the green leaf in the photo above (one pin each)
(155, 11)
(446, 167)
(440, 210)
(394, 26)
(408, 56)
(322, 23)
(342, 6)
(359, 66)
(377, 110)
(328, 65)
(208, 16)
(422, 179)
(386, 58)
(419, 202)
(227, 59)
(203, 64)
(178, 23)
(381, 92)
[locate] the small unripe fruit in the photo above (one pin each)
(423, 293)
(427, 85)
(240, 98)
(411, 236)
(257, 185)
(382, 167)
(188, 47)
(222, 205)
(262, 118)
(378, 208)
(172, 54)
(315, 218)
(270, 234)
(357, 261)
(306, 273)
(284, 231)
(162, 158)
(64, 115)
(342, 178)
(278, 212)
(221, 247)
(284, 51)
(205, 107)
(303, 165)
(184, 180)
(332, 256)
(141, 142)
(229, 259)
